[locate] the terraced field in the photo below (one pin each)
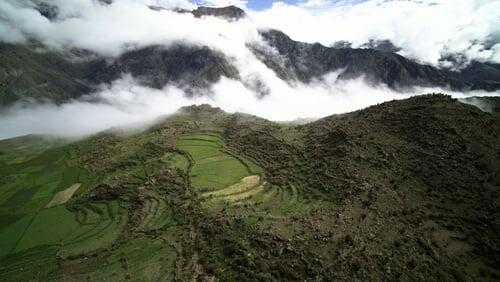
(223, 177)
(53, 208)
(206, 196)
(31, 212)
(213, 167)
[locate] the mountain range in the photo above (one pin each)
(29, 74)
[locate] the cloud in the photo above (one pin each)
(223, 3)
(106, 29)
(126, 104)
(424, 29)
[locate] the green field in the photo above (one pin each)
(33, 235)
(213, 167)
(33, 170)
(224, 177)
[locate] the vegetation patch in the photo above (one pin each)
(213, 168)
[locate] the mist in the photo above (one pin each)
(127, 104)
(425, 31)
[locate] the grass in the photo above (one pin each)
(213, 167)
(177, 160)
(50, 226)
(33, 171)
(11, 234)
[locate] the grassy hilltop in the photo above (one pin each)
(403, 190)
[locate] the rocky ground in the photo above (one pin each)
(403, 190)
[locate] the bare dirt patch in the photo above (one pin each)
(63, 196)
(245, 184)
(244, 195)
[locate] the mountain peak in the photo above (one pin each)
(229, 12)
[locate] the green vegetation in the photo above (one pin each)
(401, 191)
(31, 176)
(213, 167)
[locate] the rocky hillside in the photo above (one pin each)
(156, 66)
(305, 62)
(26, 74)
(405, 190)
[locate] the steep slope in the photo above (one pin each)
(403, 190)
(27, 74)
(304, 62)
(155, 66)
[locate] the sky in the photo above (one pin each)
(425, 30)
(260, 5)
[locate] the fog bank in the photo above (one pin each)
(125, 103)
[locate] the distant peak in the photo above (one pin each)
(229, 12)
(206, 108)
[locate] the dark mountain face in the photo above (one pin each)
(381, 45)
(155, 66)
(230, 12)
(483, 76)
(29, 75)
(304, 62)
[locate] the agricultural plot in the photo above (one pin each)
(34, 187)
(213, 168)
(222, 177)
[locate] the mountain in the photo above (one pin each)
(229, 12)
(490, 104)
(403, 190)
(305, 62)
(156, 66)
(31, 73)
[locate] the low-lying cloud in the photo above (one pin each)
(125, 104)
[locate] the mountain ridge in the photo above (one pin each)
(194, 67)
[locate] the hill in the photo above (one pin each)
(405, 190)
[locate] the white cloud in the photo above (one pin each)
(106, 29)
(223, 3)
(125, 103)
(424, 28)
